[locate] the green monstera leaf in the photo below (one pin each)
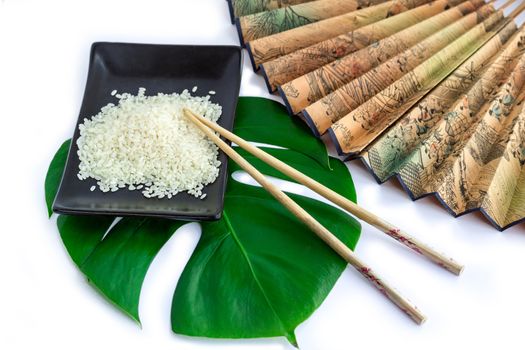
(265, 121)
(256, 272)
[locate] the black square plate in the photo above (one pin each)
(158, 68)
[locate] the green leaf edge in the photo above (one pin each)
(54, 175)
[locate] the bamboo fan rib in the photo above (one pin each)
(357, 128)
(461, 78)
(420, 41)
(247, 7)
(334, 106)
(430, 92)
(275, 21)
(429, 18)
(276, 45)
(469, 85)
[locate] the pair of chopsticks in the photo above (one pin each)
(329, 238)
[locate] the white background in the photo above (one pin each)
(45, 301)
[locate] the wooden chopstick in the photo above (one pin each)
(323, 233)
(516, 12)
(363, 214)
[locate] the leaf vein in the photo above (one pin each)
(254, 275)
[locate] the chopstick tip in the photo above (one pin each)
(460, 270)
(453, 267)
(422, 320)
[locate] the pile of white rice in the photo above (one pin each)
(146, 143)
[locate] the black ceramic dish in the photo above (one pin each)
(158, 68)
